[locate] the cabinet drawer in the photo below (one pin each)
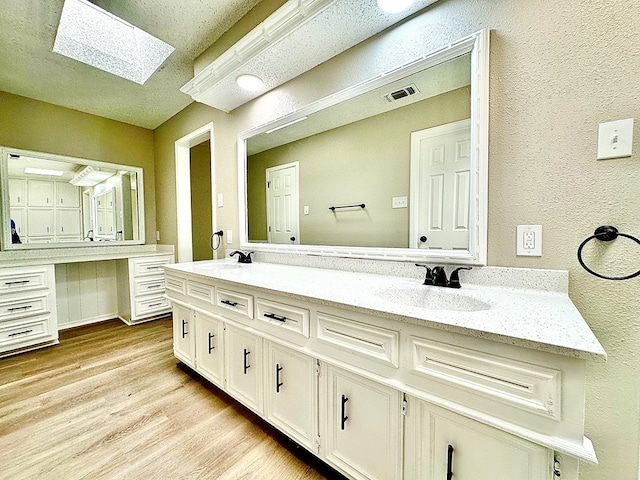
(29, 332)
(150, 265)
(201, 292)
(149, 286)
(151, 305)
(287, 317)
(175, 284)
(362, 339)
(14, 279)
(237, 302)
(19, 307)
(530, 387)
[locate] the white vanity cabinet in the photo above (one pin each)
(362, 422)
(28, 316)
(141, 288)
(442, 444)
(17, 192)
(291, 390)
(244, 366)
(379, 397)
(41, 193)
(184, 340)
(67, 195)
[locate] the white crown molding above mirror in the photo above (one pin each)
(476, 47)
(295, 38)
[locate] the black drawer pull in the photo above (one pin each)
(211, 347)
(246, 365)
(230, 303)
(19, 333)
(449, 462)
(17, 282)
(280, 318)
(153, 267)
(13, 309)
(184, 332)
(278, 382)
(151, 305)
(153, 286)
(343, 417)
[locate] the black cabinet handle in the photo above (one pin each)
(246, 366)
(151, 305)
(17, 282)
(184, 332)
(19, 333)
(280, 318)
(449, 462)
(343, 417)
(13, 309)
(211, 347)
(229, 302)
(278, 382)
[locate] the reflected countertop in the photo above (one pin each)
(528, 315)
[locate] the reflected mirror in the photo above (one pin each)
(52, 201)
(391, 168)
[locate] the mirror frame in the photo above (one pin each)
(5, 207)
(477, 45)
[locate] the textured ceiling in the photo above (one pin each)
(31, 69)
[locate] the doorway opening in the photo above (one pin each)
(195, 191)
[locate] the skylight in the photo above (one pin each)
(97, 38)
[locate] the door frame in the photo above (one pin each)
(183, 189)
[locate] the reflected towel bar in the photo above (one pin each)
(361, 205)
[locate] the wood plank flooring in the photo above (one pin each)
(112, 402)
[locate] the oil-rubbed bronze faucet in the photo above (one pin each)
(244, 257)
(437, 276)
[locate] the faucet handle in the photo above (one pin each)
(428, 279)
(454, 279)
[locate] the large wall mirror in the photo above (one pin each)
(392, 168)
(51, 201)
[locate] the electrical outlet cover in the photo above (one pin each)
(529, 240)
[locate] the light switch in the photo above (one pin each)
(615, 139)
(220, 200)
(399, 202)
(229, 237)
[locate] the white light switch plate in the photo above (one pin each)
(529, 240)
(229, 236)
(399, 202)
(615, 139)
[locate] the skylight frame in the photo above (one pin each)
(93, 36)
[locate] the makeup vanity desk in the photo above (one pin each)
(46, 290)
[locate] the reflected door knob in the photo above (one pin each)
(423, 239)
(293, 239)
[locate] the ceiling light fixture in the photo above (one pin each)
(97, 38)
(394, 6)
(250, 82)
(43, 171)
(90, 176)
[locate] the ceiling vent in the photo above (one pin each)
(402, 93)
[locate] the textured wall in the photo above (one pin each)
(558, 69)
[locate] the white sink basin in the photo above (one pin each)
(433, 298)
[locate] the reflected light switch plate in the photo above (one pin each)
(615, 139)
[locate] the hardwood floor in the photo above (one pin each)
(112, 402)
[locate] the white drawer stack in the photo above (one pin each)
(141, 288)
(27, 308)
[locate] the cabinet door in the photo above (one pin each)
(364, 424)
(40, 222)
(291, 393)
(40, 193)
(19, 216)
(67, 195)
(183, 335)
(209, 348)
(243, 366)
(443, 444)
(17, 192)
(68, 222)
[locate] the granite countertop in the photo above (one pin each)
(529, 317)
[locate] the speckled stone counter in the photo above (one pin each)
(535, 311)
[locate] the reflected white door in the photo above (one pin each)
(282, 204)
(440, 186)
